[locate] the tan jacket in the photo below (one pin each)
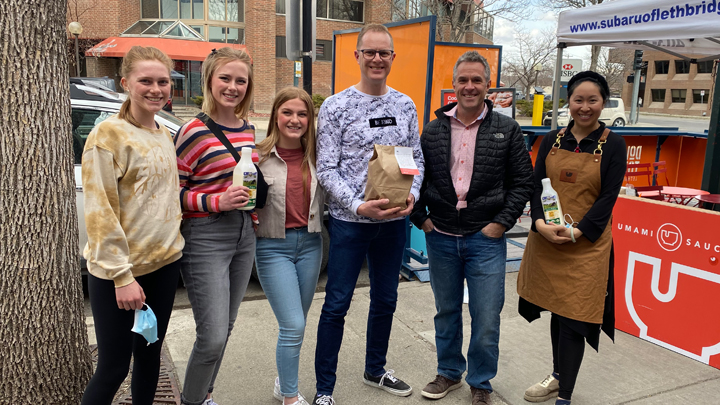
(272, 217)
(132, 210)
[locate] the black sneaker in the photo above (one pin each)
(323, 400)
(389, 383)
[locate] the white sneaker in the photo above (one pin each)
(276, 393)
(210, 401)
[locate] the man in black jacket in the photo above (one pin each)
(478, 178)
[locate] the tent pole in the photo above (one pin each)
(711, 171)
(556, 84)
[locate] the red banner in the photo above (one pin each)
(667, 278)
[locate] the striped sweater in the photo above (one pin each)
(206, 166)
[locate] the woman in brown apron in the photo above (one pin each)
(568, 271)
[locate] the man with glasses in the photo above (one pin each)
(349, 124)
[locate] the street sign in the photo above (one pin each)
(569, 68)
(702, 92)
(298, 69)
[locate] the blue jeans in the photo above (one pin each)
(350, 243)
(480, 260)
(216, 265)
(288, 270)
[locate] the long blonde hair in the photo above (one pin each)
(273, 134)
(217, 59)
(138, 54)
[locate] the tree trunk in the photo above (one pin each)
(44, 357)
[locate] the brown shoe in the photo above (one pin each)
(480, 396)
(439, 387)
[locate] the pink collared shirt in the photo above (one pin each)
(462, 155)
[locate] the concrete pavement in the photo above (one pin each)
(631, 371)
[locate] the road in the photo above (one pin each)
(685, 124)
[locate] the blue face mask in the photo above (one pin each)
(146, 324)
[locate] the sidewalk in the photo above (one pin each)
(629, 372)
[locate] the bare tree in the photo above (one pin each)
(44, 356)
(76, 10)
(559, 5)
(461, 17)
(533, 50)
(615, 64)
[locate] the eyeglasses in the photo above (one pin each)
(369, 54)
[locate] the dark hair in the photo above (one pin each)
(589, 76)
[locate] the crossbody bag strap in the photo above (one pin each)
(215, 129)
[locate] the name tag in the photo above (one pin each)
(568, 176)
(383, 122)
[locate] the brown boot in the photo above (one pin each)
(480, 396)
(439, 387)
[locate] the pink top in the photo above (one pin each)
(462, 155)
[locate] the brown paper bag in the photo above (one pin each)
(385, 180)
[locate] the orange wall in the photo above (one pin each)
(443, 63)
(409, 70)
(684, 157)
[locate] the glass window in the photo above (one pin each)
(658, 95)
(280, 6)
(169, 9)
(185, 9)
(138, 27)
(678, 95)
(149, 9)
(705, 67)
(662, 67)
(83, 121)
(233, 36)
(611, 104)
(175, 31)
(216, 10)
(698, 98)
(200, 29)
(682, 66)
(349, 10)
(280, 51)
(216, 34)
(323, 50)
(232, 10)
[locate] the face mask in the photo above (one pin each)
(146, 324)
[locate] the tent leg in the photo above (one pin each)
(711, 171)
(556, 84)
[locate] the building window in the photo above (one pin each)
(149, 9)
(407, 9)
(705, 67)
(346, 10)
(662, 67)
(280, 6)
(678, 95)
(682, 66)
(658, 95)
(226, 10)
(280, 50)
(192, 10)
(698, 98)
(323, 50)
(226, 35)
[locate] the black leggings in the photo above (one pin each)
(117, 343)
(568, 350)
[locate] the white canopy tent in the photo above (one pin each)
(688, 29)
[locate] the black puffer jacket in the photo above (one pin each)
(501, 184)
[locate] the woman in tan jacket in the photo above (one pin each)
(289, 239)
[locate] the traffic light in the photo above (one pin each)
(637, 60)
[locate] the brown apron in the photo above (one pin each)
(569, 279)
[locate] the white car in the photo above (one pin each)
(90, 106)
(613, 115)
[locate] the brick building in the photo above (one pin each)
(673, 86)
(255, 25)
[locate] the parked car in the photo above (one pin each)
(91, 104)
(613, 114)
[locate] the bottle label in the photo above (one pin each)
(250, 181)
(551, 210)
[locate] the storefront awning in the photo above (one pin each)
(176, 49)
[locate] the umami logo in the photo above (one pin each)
(669, 237)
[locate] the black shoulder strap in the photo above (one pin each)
(213, 127)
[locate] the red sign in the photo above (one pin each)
(567, 66)
(448, 96)
(667, 278)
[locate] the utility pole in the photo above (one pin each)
(300, 37)
(637, 65)
(308, 42)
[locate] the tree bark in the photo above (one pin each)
(594, 55)
(44, 357)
